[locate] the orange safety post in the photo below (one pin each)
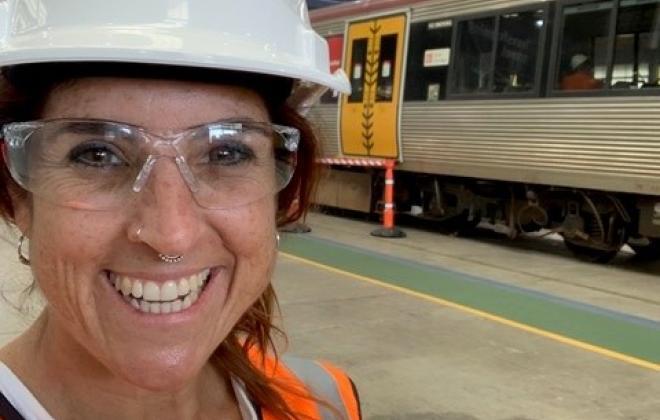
(389, 230)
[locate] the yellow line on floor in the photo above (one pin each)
(547, 334)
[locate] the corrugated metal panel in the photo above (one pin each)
(434, 10)
(324, 120)
(605, 140)
(602, 143)
(448, 8)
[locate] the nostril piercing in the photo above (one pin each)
(170, 259)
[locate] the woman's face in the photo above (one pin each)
(77, 254)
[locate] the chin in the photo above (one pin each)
(162, 371)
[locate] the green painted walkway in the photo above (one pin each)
(618, 332)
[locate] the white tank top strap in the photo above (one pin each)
(20, 397)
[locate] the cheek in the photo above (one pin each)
(251, 239)
(67, 250)
(250, 230)
(63, 234)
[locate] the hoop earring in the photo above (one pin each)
(277, 240)
(21, 257)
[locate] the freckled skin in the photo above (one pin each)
(98, 359)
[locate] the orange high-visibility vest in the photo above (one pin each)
(306, 377)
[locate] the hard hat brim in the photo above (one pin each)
(167, 46)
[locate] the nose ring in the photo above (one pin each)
(170, 259)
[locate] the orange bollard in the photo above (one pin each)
(389, 230)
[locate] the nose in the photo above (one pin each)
(169, 217)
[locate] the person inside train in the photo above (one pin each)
(149, 154)
(580, 75)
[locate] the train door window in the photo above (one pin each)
(429, 51)
(583, 55)
(386, 66)
(637, 45)
(516, 61)
(473, 67)
(358, 63)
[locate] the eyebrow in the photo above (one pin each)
(79, 127)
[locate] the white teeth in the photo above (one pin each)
(183, 287)
(161, 298)
(151, 292)
(126, 286)
(186, 303)
(197, 281)
(169, 292)
(144, 306)
(136, 291)
(177, 305)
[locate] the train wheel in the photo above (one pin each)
(649, 252)
(593, 255)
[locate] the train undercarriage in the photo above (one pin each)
(594, 225)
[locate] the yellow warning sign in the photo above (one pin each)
(369, 116)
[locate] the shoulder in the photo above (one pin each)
(327, 382)
(315, 387)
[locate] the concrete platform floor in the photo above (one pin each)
(414, 358)
(417, 359)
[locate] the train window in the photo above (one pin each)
(386, 67)
(517, 51)
(428, 60)
(473, 66)
(358, 63)
(584, 46)
(637, 45)
(595, 55)
(499, 55)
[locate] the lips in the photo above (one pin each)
(172, 296)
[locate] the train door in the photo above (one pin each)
(374, 60)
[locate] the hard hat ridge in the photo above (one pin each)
(270, 37)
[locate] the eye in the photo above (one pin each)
(231, 154)
(97, 155)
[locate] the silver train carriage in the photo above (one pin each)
(520, 115)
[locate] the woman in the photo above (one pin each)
(149, 157)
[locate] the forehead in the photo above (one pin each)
(153, 103)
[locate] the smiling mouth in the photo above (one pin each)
(169, 297)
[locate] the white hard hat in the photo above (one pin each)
(577, 60)
(258, 36)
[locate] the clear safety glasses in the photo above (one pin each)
(100, 165)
